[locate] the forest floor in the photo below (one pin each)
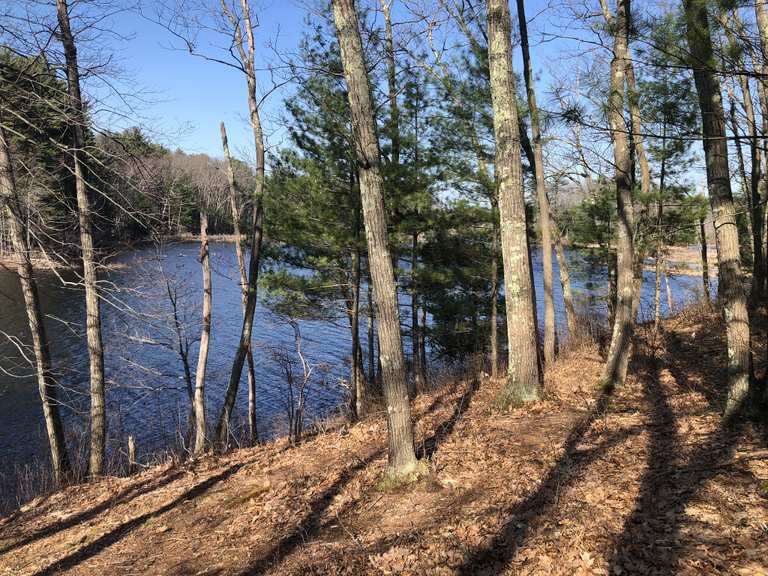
(644, 481)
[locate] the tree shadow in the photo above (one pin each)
(123, 530)
(650, 536)
(429, 446)
(312, 524)
(679, 351)
(134, 491)
(494, 557)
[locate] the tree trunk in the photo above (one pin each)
(205, 338)
(92, 304)
(183, 350)
(423, 342)
(402, 457)
(637, 133)
(704, 260)
(523, 371)
(670, 301)
(615, 370)
(235, 210)
(761, 14)
(394, 109)
(721, 200)
(541, 193)
(494, 315)
(358, 400)
(565, 281)
(657, 289)
(418, 370)
(247, 56)
(755, 201)
(753, 186)
(46, 382)
(745, 184)
(222, 426)
(659, 229)
(371, 335)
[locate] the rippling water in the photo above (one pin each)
(146, 392)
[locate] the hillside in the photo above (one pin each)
(646, 481)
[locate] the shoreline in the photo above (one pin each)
(681, 260)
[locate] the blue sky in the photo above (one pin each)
(195, 95)
(186, 96)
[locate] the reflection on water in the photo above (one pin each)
(146, 390)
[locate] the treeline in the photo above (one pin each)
(417, 166)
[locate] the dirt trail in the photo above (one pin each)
(644, 482)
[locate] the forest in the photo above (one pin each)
(384, 287)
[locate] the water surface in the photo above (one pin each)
(146, 392)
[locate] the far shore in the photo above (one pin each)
(680, 260)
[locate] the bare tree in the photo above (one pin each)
(565, 278)
(297, 385)
(753, 185)
(92, 304)
(10, 204)
(402, 457)
(394, 110)
(235, 210)
(244, 42)
(761, 16)
(730, 286)
(523, 371)
(205, 336)
(615, 370)
(541, 192)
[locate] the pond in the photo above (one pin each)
(146, 392)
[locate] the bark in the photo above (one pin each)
(541, 192)
(92, 303)
(615, 370)
(704, 260)
(402, 457)
(246, 49)
(205, 338)
(235, 210)
(721, 200)
(494, 315)
(523, 372)
(46, 382)
(565, 281)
